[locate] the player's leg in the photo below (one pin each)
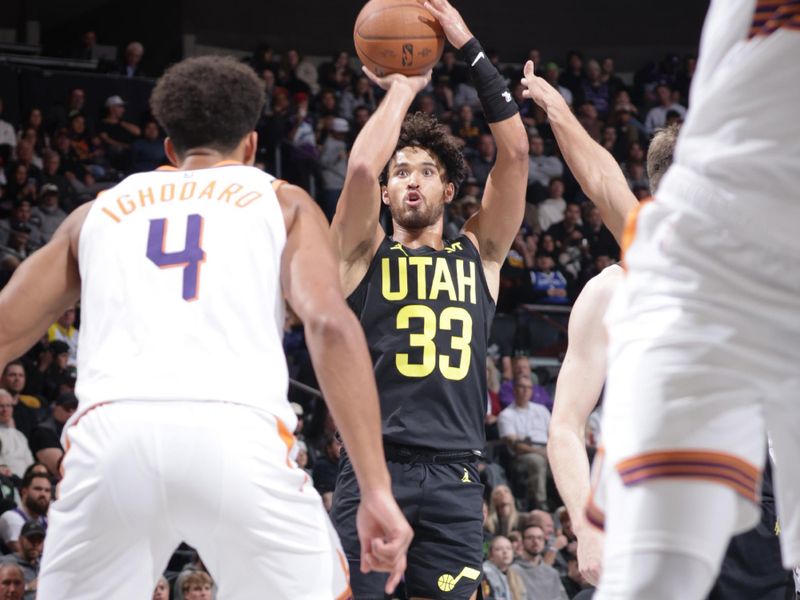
(258, 523)
(446, 555)
(683, 419)
(664, 537)
(407, 480)
(107, 536)
(679, 482)
(365, 586)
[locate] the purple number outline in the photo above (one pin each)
(190, 258)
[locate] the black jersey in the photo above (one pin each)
(426, 314)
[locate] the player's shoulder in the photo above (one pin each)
(597, 292)
(605, 282)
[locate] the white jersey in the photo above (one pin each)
(181, 291)
(742, 134)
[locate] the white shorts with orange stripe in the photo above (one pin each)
(704, 354)
(142, 476)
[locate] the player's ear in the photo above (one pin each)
(250, 147)
(169, 150)
(385, 195)
(449, 192)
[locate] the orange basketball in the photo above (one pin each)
(397, 36)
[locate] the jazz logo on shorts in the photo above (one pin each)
(447, 582)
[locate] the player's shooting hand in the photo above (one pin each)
(590, 554)
(416, 83)
(451, 21)
(537, 88)
(384, 534)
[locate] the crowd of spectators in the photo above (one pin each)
(60, 156)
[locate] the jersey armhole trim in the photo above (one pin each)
(365, 279)
(479, 260)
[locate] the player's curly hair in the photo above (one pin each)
(208, 102)
(424, 131)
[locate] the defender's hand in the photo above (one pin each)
(451, 21)
(537, 88)
(416, 83)
(590, 554)
(384, 534)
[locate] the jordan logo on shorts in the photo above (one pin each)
(466, 478)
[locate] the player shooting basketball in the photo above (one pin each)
(426, 306)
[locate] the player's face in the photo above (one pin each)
(501, 553)
(415, 189)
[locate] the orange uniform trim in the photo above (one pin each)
(347, 594)
(629, 233)
(68, 444)
(717, 467)
(771, 15)
(287, 437)
(277, 183)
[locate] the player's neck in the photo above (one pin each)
(204, 158)
(430, 236)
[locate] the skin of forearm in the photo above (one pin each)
(566, 451)
(376, 142)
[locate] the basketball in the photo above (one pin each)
(397, 36)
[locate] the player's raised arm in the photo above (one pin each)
(42, 288)
(580, 383)
(355, 227)
(344, 370)
(598, 174)
(503, 203)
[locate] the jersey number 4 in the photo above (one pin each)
(425, 340)
(190, 258)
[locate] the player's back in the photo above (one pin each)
(181, 295)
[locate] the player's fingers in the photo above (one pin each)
(388, 553)
(366, 563)
(374, 78)
(394, 577)
(528, 70)
(526, 93)
(591, 575)
(433, 10)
